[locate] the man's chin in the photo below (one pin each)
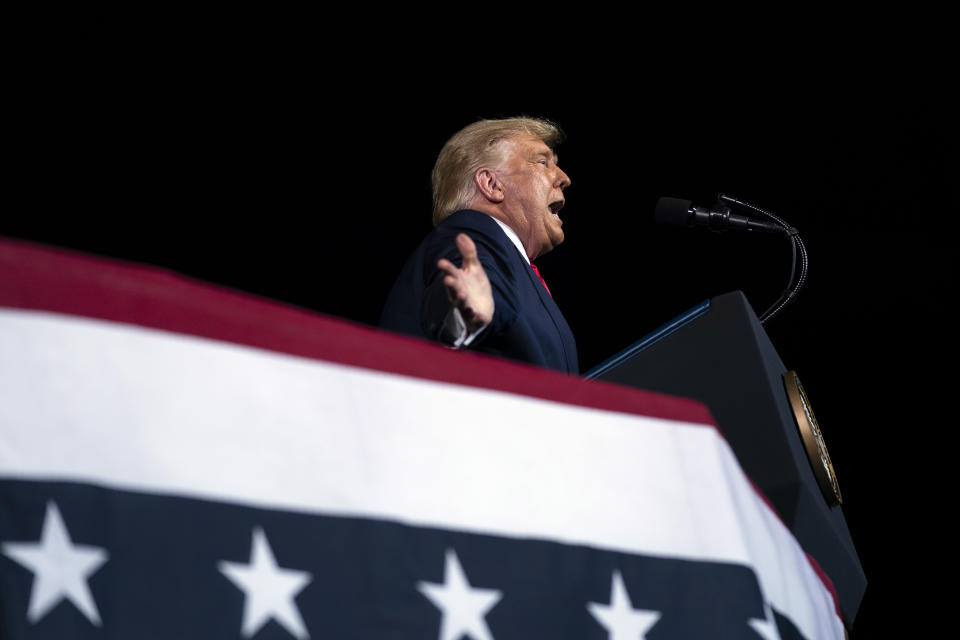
(556, 240)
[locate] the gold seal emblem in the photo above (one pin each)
(812, 439)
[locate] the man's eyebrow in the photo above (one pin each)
(549, 155)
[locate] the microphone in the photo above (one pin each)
(677, 211)
(719, 218)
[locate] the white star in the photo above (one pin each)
(766, 628)
(463, 606)
(60, 568)
(620, 619)
(268, 590)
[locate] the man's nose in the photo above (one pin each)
(563, 180)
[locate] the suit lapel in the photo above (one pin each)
(563, 332)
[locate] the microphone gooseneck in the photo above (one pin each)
(793, 288)
(721, 218)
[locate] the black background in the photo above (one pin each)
(267, 159)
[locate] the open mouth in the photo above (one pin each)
(555, 208)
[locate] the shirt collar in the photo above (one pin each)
(514, 238)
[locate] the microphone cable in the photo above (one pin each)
(789, 294)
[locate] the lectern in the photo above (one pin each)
(719, 353)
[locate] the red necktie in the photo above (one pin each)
(537, 271)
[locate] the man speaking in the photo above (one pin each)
(497, 194)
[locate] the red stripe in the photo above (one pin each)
(42, 278)
(824, 578)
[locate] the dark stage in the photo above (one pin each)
(310, 187)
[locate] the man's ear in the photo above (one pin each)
(488, 185)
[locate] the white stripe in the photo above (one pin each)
(146, 410)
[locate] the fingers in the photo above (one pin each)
(456, 294)
(467, 249)
(468, 287)
(447, 267)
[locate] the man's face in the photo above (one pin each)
(533, 187)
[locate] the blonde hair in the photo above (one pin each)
(473, 147)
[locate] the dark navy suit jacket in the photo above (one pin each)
(527, 324)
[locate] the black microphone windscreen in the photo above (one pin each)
(672, 210)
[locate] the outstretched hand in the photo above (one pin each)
(468, 287)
